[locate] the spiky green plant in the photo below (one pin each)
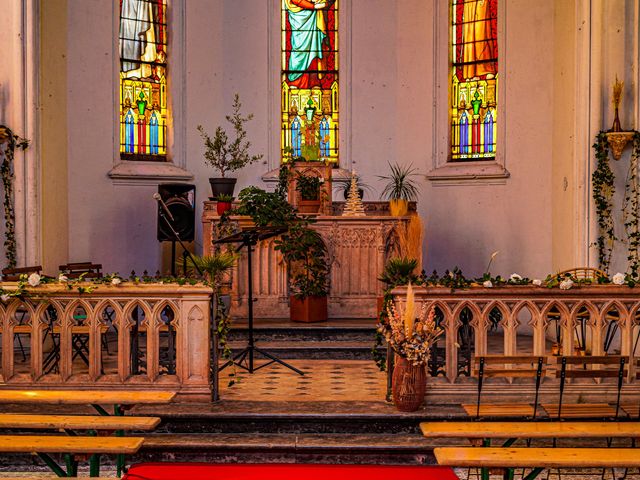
(400, 185)
(213, 266)
(399, 271)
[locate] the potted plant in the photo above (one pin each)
(400, 188)
(224, 203)
(309, 188)
(305, 254)
(225, 156)
(410, 333)
(302, 248)
(344, 184)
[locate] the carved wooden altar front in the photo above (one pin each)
(357, 249)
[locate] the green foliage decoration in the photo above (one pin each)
(400, 184)
(603, 189)
(9, 142)
(631, 211)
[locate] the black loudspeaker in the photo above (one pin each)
(180, 199)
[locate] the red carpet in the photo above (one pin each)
(287, 471)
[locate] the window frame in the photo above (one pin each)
(470, 171)
(173, 168)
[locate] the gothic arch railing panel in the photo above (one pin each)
(599, 319)
(88, 340)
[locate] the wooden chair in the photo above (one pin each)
(598, 370)
(13, 274)
(507, 366)
(86, 269)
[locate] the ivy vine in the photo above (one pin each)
(9, 142)
(602, 180)
(631, 210)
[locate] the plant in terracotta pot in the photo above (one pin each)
(309, 188)
(305, 254)
(401, 188)
(224, 203)
(226, 156)
(410, 332)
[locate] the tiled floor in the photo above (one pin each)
(323, 380)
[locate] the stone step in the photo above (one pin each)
(312, 349)
(326, 448)
(283, 330)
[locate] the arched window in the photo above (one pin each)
(143, 64)
(474, 78)
(309, 76)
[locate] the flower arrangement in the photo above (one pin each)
(409, 335)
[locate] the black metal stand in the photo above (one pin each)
(212, 302)
(250, 238)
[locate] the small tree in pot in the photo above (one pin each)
(400, 188)
(228, 157)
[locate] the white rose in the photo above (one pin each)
(537, 282)
(566, 284)
(487, 284)
(116, 281)
(34, 279)
(63, 278)
(515, 277)
(618, 279)
(5, 298)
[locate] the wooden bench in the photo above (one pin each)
(71, 446)
(568, 429)
(481, 433)
(77, 422)
(589, 367)
(121, 398)
(538, 458)
(506, 366)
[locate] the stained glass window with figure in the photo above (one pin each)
(474, 79)
(143, 80)
(309, 76)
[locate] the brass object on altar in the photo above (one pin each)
(617, 141)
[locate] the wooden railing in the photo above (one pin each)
(146, 336)
(584, 320)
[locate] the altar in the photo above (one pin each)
(358, 248)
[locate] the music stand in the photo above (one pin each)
(249, 238)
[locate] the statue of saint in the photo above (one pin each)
(308, 37)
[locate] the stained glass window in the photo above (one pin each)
(474, 79)
(143, 80)
(310, 79)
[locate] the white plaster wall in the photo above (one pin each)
(229, 48)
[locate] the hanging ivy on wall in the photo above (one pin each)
(8, 143)
(603, 189)
(631, 210)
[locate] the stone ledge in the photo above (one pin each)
(147, 173)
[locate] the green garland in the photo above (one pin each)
(603, 189)
(9, 141)
(631, 210)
